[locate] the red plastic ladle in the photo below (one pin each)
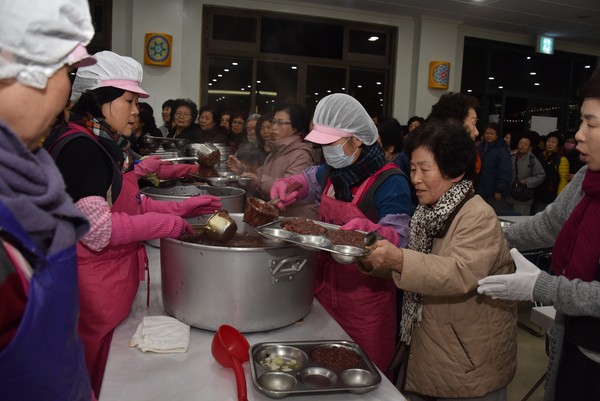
(230, 348)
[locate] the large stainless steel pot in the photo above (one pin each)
(252, 289)
(233, 199)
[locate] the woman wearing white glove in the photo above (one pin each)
(574, 290)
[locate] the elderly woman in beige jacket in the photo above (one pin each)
(462, 345)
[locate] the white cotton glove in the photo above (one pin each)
(512, 287)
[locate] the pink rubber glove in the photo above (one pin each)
(280, 188)
(191, 207)
(142, 227)
(149, 165)
(364, 224)
(171, 170)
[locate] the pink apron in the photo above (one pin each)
(364, 306)
(108, 283)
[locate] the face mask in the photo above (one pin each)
(335, 156)
(569, 146)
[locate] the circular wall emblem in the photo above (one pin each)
(158, 49)
(441, 74)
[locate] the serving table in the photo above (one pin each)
(134, 375)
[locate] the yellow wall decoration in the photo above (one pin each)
(157, 49)
(439, 74)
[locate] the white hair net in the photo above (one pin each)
(37, 38)
(340, 115)
(112, 70)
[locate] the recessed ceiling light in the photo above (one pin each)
(214, 79)
(294, 67)
(588, 66)
(226, 70)
(469, 90)
(219, 75)
(234, 63)
(537, 84)
(528, 57)
(359, 86)
(373, 38)
(378, 83)
(532, 73)
(501, 87)
(491, 78)
(258, 82)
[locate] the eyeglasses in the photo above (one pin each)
(186, 115)
(280, 122)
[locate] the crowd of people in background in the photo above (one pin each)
(438, 283)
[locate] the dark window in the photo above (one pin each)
(299, 38)
(323, 81)
(362, 42)
(230, 83)
(238, 29)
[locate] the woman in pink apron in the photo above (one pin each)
(357, 189)
(92, 153)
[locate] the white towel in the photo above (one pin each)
(162, 334)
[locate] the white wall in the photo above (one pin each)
(420, 41)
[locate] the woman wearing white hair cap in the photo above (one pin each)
(93, 155)
(41, 355)
(358, 190)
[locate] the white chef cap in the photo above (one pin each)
(339, 116)
(37, 38)
(110, 70)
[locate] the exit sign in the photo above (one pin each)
(544, 44)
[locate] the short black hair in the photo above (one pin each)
(189, 103)
(297, 114)
(559, 137)
(453, 149)
(90, 102)
(591, 88)
(168, 103)
(453, 106)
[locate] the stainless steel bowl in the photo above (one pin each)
(358, 378)
(317, 377)
(346, 254)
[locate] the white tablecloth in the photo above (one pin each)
(133, 375)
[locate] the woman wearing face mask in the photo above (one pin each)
(93, 155)
(357, 189)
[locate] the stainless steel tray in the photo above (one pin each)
(280, 369)
(344, 254)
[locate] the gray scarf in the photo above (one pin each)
(32, 188)
(427, 223)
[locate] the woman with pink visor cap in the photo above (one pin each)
(93, 155)
(357, 189)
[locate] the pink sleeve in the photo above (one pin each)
(97, 211)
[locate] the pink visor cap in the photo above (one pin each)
(80, 56)
(324, 135)
(110, 70)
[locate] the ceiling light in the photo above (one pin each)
(528, 57)
(219, 75)
(359, 86)
(491, 78)
(378, 83)
(294, 67)
(258, 82)
(234, 63)
(210, 84)
(588, 66)
(226, 70)
(373, 38)
(537, 84)
(214, 79)
(328, 91)
(501, 87)
(532, 73)
(469, 90)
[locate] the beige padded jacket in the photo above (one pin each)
(466, 343)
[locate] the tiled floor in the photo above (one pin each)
(531, 359)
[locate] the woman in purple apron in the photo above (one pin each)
(41, 355)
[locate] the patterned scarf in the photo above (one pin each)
(32, 188)
(371, 159)
(427, 223)
(576, 253)
(115, 144)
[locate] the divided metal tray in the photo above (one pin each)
(344, 254)
(280, 369)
